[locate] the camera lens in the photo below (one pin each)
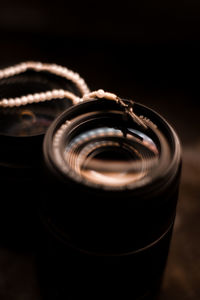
(22, 131)
(111, 204)
(22, 128)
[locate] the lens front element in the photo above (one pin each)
(105, 150)
(106, 156)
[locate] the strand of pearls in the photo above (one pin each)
(48, 95)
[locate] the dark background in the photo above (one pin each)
(145, 50)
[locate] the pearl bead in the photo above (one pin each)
(24, 100)
(30, 98)
(11, 102)
(23, 67)
(49, 95)
(61, 93)
(55, 93)
(77, 100)
(100, 93)
(81, 81)
(42, 96)
(11, 71)
(6, 73)
(76, 76)
(38, 66)
(29, 64)
(4, 102)
(54, 67)
(59, 69)
(17, 102)
(36, 97)
(65, 72)
(70, 74)
(17, 69)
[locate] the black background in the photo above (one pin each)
(144, 50)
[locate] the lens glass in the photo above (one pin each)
(106, 156)
(106, 151)
(31, 119)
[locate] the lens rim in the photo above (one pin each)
(164, 173)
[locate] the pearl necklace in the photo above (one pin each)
(48, 95)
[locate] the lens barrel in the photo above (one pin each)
(22, 131)
(108, 240)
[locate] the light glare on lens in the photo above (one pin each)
(106, 156)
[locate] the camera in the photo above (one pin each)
(109, 200)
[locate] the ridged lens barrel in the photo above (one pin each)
(110, 200)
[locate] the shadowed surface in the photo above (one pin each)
(163, 78)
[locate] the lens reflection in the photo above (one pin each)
(110, 157)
